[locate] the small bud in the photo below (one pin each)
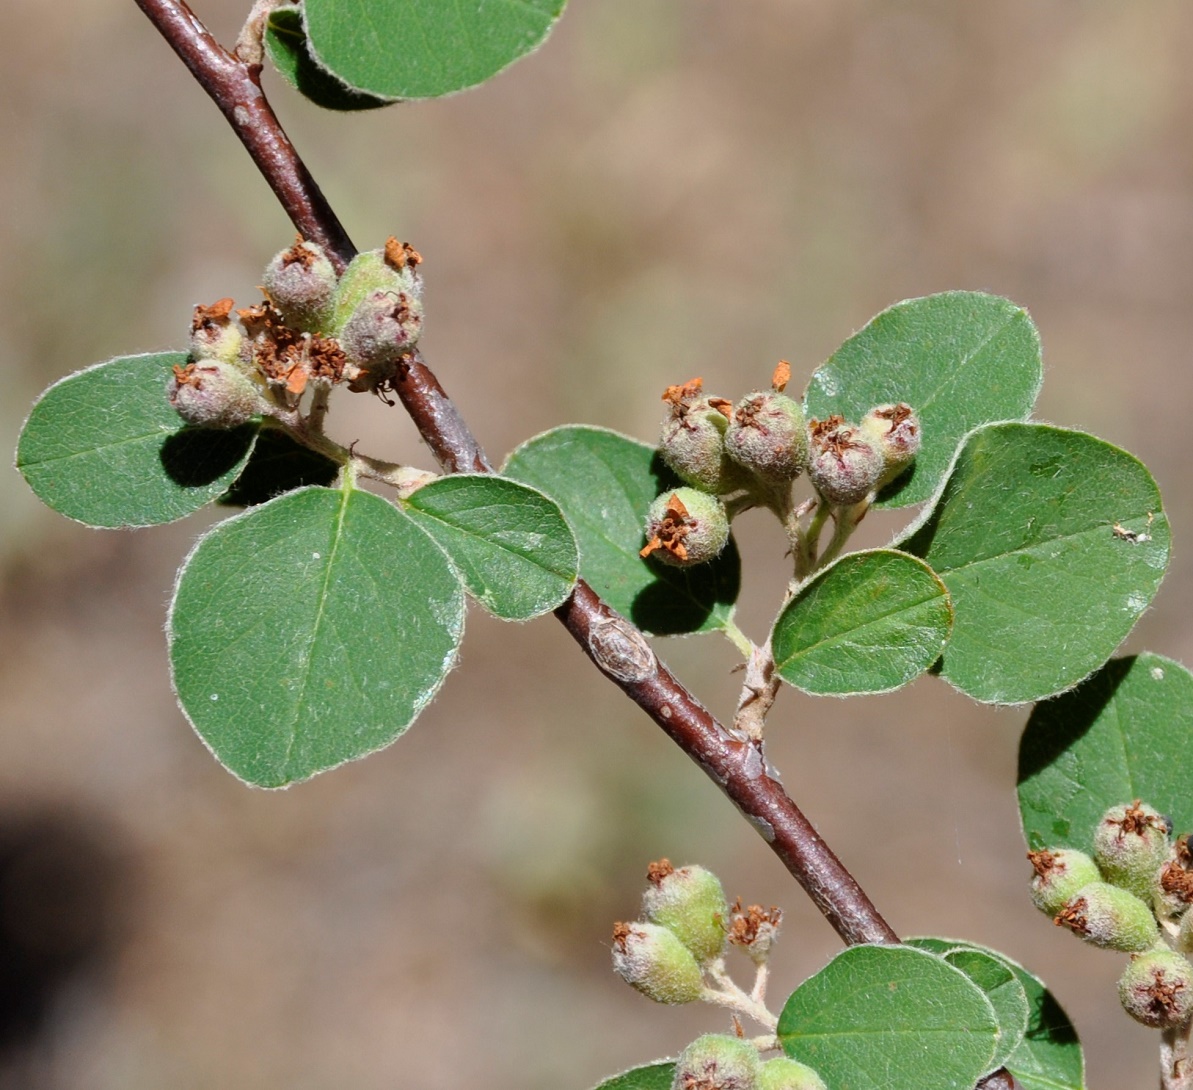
(896, 431)
(393, 269)
(844, 465)
(692, 441)
(689, 902)
(212, 394)
(1112, 918)
(1130, 846)
(686, 527)
(783, 1073)
(1173, 891)
(383, 328)
(717, 1062)
(1157, 989)
(1061, 873)
(214, 334)
(768, 436)
(301, 284)
(754, 930)
(650, 958)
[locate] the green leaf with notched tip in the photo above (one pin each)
(959, 359)
(286, 43)
(868, 623)
(1052, 543)
(890, 1018)
(604, 482)
(511, 544)
(310, 631)
(424, 48)
(104, 447)
(1126, 733)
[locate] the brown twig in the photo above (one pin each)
(616, 646)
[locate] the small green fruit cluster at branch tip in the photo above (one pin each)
(1133, 894)
(734, 457)
(313, 330)
(676, 955)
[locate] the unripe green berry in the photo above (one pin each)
(783, 1073)
(686, 527)
(1173, 891)
(393, 269)
(213, 394)
(215, 334)
(1157, 989)
(689, 902)
(1110, 917)
(844, 465)
(650, 958)
(1184, 935)
(301, 283)
(1130, 846)
(768, 436)
(692, 439)
(1061, 873)
(383, 328)
(717, 1062)
(896, 431)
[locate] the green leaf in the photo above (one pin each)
(890, 1018)
(286, 43)
(424, 48)
(103, 447)
(1126, 733)
(1006, 994)
(960, 359)
(278, 464)
(310, 631)
(868, 623)
(656, 1076)
(1049, 1056)
(1052, 543)
(605, 482)
(510, 543)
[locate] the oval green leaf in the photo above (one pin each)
(890, 1018)
(278, 464)
(1052, 543)
(311, 631)
(424, 48)
(960, 359)
(1049, 1056)
(869, 623)
(1126, 733)
(286, 43)
(657, 1076)
(103, 447)
(604, 482)
(511, 544)
(1006, 994)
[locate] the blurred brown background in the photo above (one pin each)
(670, 188)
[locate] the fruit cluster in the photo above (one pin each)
(314, 330)
(675, 955)
(1133, 894)
(751, 453)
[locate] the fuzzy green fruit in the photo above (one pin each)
(783, 1073)
(392, 269)
(1157, 989)
(1061, 873)
(768, 436)
(895, 429)
(689, 902)
(686, 527)
(301, 283)
(692, 439)
(844, 465)
(651, 959)
(717, 1062)
(1130, 845)
(215, 334)
(213, 394)
(1110, 917)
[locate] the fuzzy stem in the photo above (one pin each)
(728, 994)
(617, 648)
(846, 520)
(1176, 1058)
